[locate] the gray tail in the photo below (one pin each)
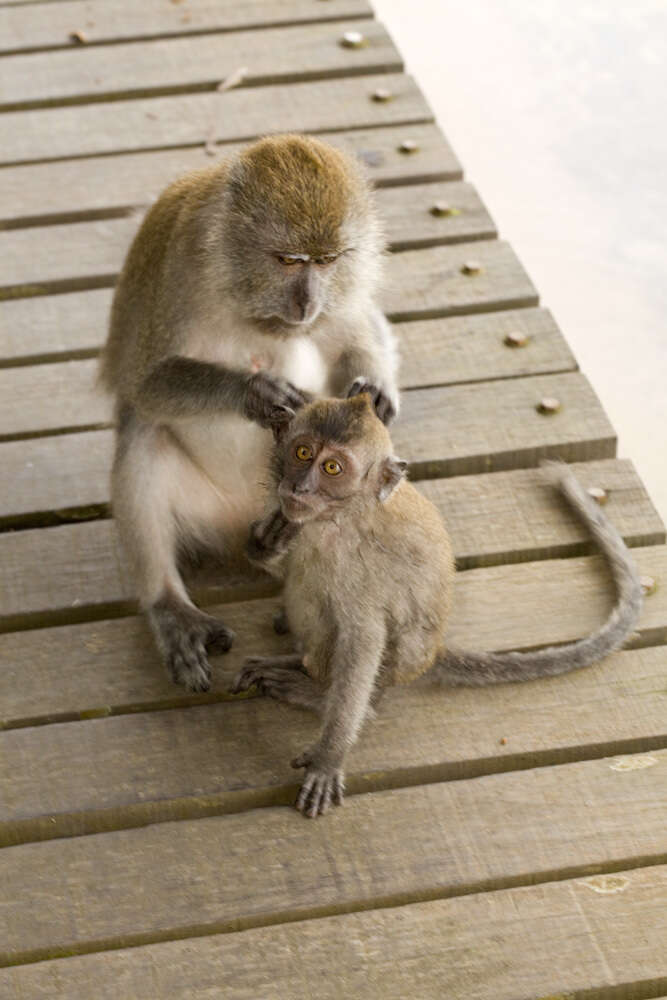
(478, 669)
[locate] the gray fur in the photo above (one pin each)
(460, 668)
(368, 577)
(211, 334)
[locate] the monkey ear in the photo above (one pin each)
(281, 418)
(391, 473)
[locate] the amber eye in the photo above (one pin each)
(303, 453)
(292, 258)
(327, 258)
(332, 468)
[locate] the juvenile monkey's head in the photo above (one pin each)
(300, 233)
(334, 453)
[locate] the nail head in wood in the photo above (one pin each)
(353, 40)
(408, 146)
(549, 404)
(516, 339)
(382, 95)
(472, 267)
(598, 494)
(649, 584)
(442, 208)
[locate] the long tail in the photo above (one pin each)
(479, 669)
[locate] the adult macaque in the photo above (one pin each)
(250, 286)
(368, 573)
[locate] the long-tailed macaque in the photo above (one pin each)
(249, 286)
(368, 573)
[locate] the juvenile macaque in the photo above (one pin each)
(249, 286)
(368, 572)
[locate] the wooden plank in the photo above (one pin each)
(96, 775)
(185, 65)
(490, 426)
(48, 398)
(110, 666)
(161, 122)
(381, 849)
(71, 189)
(421, 284)
(38, 26)
(60, 253)
(52, 326)
(558, 939)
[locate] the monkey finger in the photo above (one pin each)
(303, 798)
(385, 409)
(338, 789)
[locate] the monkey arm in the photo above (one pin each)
(185, 387)
(371, 362)
(354, 667)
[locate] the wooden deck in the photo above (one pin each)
(502, 844)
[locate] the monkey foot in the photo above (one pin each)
(321, 786)
(279, 677)
(184, 635)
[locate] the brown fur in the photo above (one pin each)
(368, 582)
(211, 331)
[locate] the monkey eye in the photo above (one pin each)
(332, 467)
(327, 258)
(293, 258)
(303, 453)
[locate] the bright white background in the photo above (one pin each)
(558, 112)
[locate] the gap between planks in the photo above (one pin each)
(559, 938)
(567, 821)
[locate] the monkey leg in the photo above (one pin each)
(151, 486)
(282, 678)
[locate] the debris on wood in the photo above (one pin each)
(232, 80)
(80, 37)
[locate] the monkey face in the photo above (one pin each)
(332, 454)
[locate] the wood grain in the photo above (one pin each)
(380, 849)
(38, 25)
(109, 666)
(56, 254)
(76, 188)
(554, 939)
(162, 122)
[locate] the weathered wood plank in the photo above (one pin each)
(110, 666)
(186, 65)
(436, 351)
(421, 284)
(96, 775)
(52, 326)
(489, 426)
(161, 122)
(59, 253)
(42, 399)
(558, 939)
(38, 26)
(399, 845)
(69, 189)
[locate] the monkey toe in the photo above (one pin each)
(189, 666)
(219, 638)
(320, 789)
(248, 676)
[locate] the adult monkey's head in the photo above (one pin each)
(300, 235)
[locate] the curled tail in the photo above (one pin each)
(479, 669)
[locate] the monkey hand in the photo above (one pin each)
(268, 397)
(270, 537)
(322, 785)
(386, 407)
